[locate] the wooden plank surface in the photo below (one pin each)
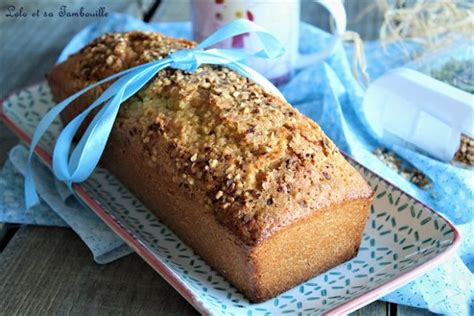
(30, 46)
(49, 271)
(411, 311)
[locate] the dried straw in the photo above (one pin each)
(433, 24)
(359, 64)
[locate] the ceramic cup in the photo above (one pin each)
(280, 17)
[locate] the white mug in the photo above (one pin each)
(280, 17)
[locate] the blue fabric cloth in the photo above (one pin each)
(57, 208)
(330, 95)
(12, 207)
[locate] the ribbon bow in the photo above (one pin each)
(79, 165)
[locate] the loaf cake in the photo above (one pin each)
(252, 185)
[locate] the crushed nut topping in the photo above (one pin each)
(391, 160)
(465, 153)
(213, 163)
(326, 175)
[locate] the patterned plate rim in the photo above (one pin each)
(180, 286)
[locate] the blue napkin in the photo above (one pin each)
(12, 207)
(57, 208)
(330, 95)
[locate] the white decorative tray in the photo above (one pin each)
(402, 239)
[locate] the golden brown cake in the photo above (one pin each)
(255, 187)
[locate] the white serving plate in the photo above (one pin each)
(402, 240)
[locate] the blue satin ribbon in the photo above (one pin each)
(78, 166)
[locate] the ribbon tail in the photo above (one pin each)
(271, 46)
(217, 55)
(87, 153)
(231, 60)
(31, 197)
(64, 141)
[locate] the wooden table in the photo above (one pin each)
(48, 270)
